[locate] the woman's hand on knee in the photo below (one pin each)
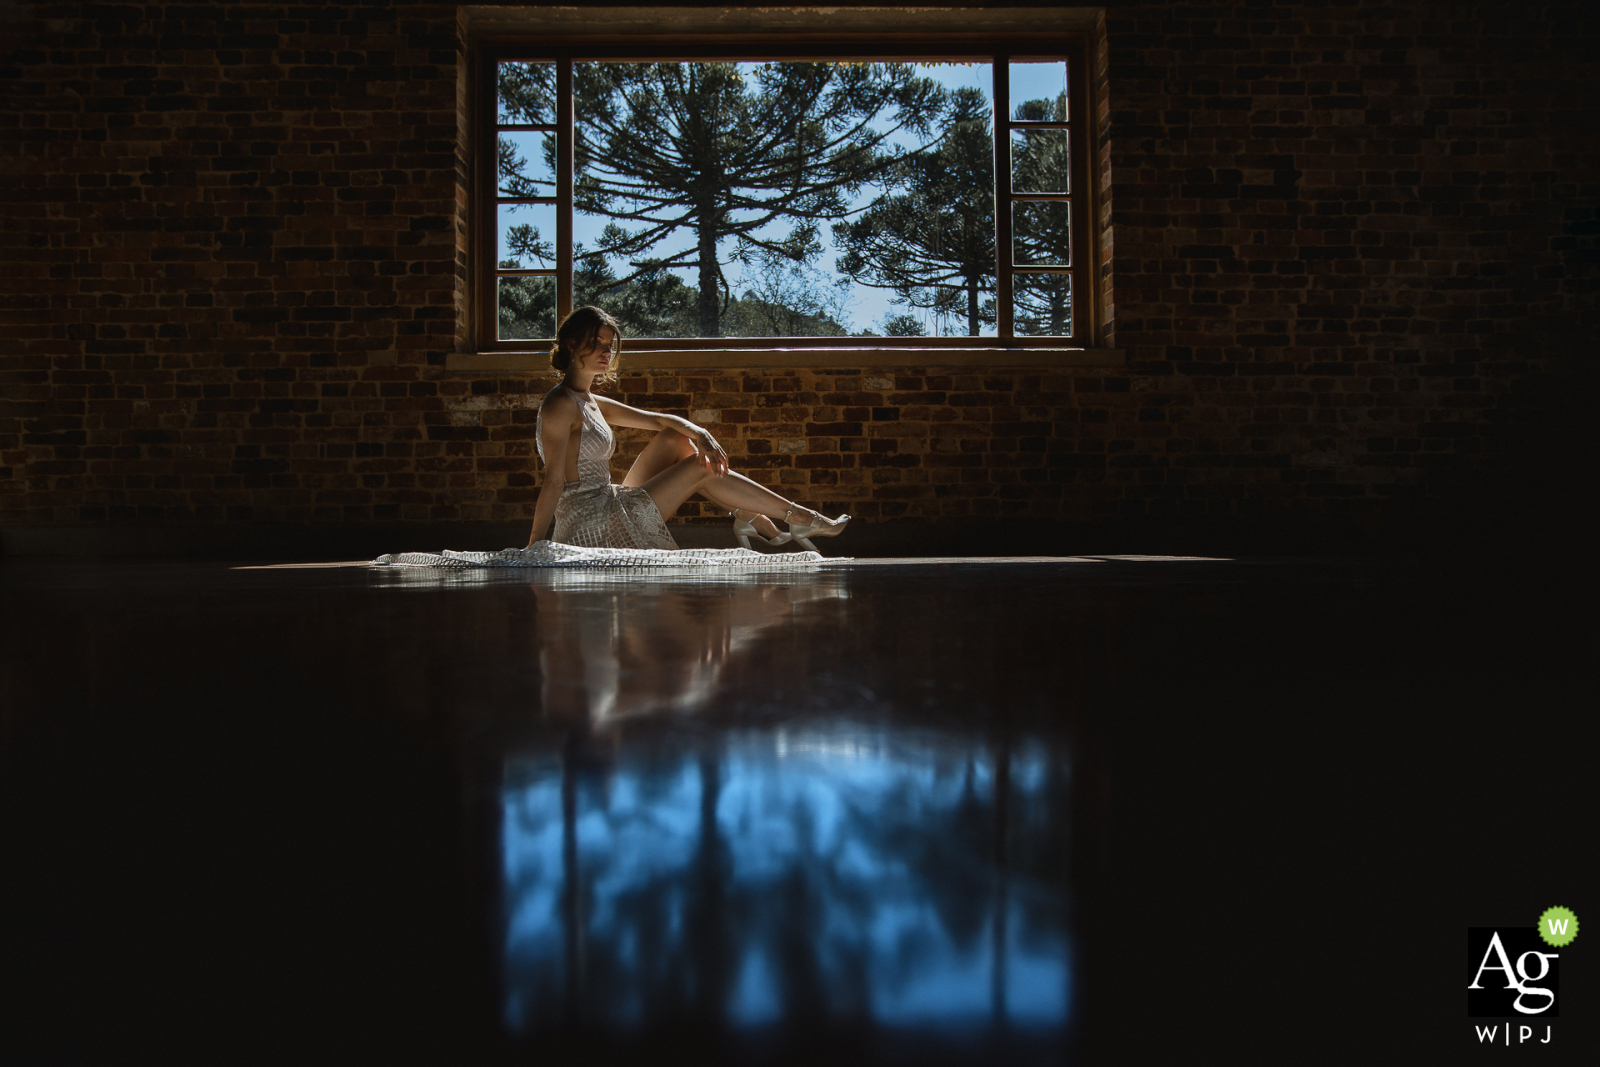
(715, 458)
(714, 461)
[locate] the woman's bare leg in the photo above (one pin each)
(667, 449)
(661, 452)
(734, 491)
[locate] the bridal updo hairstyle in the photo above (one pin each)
(578, 330)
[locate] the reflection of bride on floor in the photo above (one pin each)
(610, 649)
(676, 859)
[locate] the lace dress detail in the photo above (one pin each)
(593, 513)
(550, 554)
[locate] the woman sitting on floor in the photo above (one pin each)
(575, 442)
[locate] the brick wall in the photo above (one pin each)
(1354, 274)
(882, 445)
(1354, 256)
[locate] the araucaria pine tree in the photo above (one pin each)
(932, 243)
(712, 152)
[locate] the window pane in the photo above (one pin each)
(854, 198)
(527, 93)
(1039, 161)
(526, 164)
(1041, 233)
(527, 236)
(526, 307)
(1042, 304)
(1038, 91)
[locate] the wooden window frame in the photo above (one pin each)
(996, 49)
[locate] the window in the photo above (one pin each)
(910, 191)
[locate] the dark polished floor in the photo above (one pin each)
(951, 811)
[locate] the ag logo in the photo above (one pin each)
(1510, 972)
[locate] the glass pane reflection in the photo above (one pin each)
(526, 165)
(1041, 161)
(526, 307)
(1041, 233)
(839, 871)
(1042, 304)
(526, 93)
(527, 235)
(1040, 86)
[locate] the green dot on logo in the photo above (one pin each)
(1558, 926)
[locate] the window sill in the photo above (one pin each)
(635, 359)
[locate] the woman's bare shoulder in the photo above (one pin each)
(558, 406)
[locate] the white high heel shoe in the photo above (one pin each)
(801, 535)
(744, 530)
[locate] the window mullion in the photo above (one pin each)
(1082, 209)
(486, 282)
(1002, 196)
(564, 142)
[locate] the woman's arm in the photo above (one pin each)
(554, 433)
(620, 414)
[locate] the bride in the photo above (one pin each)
(575, 442)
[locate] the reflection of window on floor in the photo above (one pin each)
(779, 199)
(834, 874)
